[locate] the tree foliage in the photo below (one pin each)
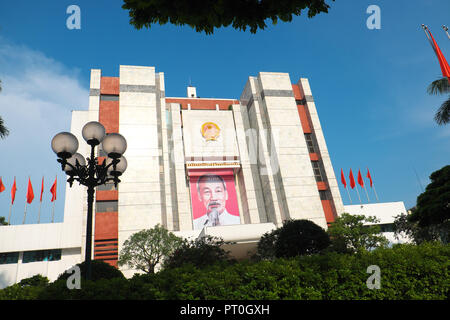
(3, 129)
(433, 206)
(147, 248)
(411, 229)
(408, 272)
(199, 252)
(441, 86)
(3, 221)
(205, 16)
(294, 238)
(351, 233)
(99, 270)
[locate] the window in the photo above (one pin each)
(323, 195)
(9, 257)
(387, 227)
(106, 206)
(41, 255)
(310, 143)
(317, 171)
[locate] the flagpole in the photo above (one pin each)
(446, 31)
(374, 190)
(9, 217)
(53, 210)
(365, 189)
(39, 214)
(349, 196)
(25, 214)
(358, 195)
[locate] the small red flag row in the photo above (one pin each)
(30, 193)
(352, 179)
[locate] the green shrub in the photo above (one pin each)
(411, 272)
(99, 270)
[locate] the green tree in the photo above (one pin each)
(353, 233)
(99, 269)
(433, 205)
(204, 16)
(201, 253)
(294, 238)
(3, 221)
(411, 229)
(441, 86)
(3, 129)
(147, 248)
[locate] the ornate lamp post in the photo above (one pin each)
(89, 172)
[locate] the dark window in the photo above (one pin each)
(106, 206)
(9, 257)
(317, 171)
(309, 143)
(41, 255)
(323, 195)
(387, 227)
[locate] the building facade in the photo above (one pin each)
(232, 168)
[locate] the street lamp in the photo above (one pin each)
(92, 174)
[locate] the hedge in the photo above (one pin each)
(407, 272)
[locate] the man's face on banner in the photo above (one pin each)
(212, 193)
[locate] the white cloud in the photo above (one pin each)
(38, 94)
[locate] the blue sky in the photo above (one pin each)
(369, 85)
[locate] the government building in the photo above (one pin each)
(230, 168)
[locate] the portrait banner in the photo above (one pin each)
(213, 198)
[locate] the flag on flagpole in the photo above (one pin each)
(13, 191)
(352, 180)
(370, 177)
(445, 68)
(53, 191)
(2, 187)
(343, 179)
(360, 179)
(42, 188)
(30, 193)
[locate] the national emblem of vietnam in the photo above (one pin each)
(210, 131)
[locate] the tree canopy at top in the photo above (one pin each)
(205, 15)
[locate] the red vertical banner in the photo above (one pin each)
(2, 187)
(53, 191)
(30, 193)
(13, 191)
(213, 198)
(360, 179)
(352, 180)
(343, 179)
(42, 188)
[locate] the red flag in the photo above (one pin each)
(370, 178)
(360, 179)
(53, 191)
(13, 191)
(352, 180)
(2, 187)
(30, 193)
(343, 179)
(445, 68)
(42, 188)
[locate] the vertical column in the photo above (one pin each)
(183, 216)
(291, 168)
(249, 184)
(140, 191)
(324, 154)
(94, 92)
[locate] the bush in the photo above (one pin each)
(408, 272)
(26, 289)
(99, 270)
(200, 253)
(294, 238)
